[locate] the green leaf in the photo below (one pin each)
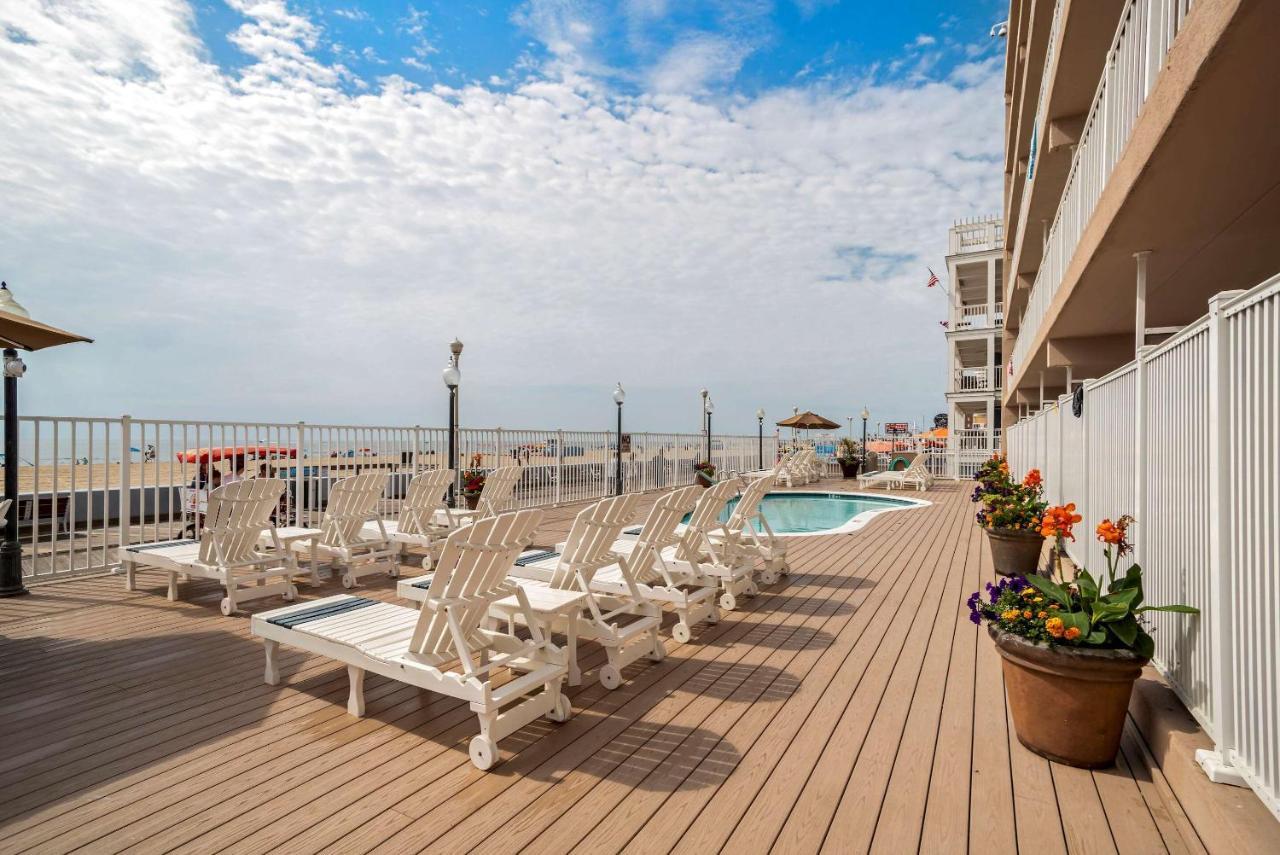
(1087, 584)
(1126, 630)
(1123, 597)
(1096, 638)
(1182, 610)
(1104, 612)
(1079, 620)
(1050, 589)
(1144, 646)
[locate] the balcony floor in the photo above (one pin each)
(851, 708)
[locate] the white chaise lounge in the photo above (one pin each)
(651, 563)
(497, 495)
(417, 526)
(235, 546)
(916, 474)
(747, 536)
(443, 646)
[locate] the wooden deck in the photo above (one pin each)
(852, 708)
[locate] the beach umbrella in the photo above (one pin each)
(18, 331)
(808, 421)
(213, 455)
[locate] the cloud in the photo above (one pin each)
(266, 244)
(924, 40)
(696, 61)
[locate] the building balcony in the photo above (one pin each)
(979, 235)
(975, 380)
(977, 316)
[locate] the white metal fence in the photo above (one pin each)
(1184, 439)
(89, 485)
(1145, 33)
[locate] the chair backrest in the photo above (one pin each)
(238, 515)
(352, 501)
(424, 496)
(748, 506)
(659, 530)
(498, 493)
(589, 545)
(917, 466)
(705, 518)
(470, 575)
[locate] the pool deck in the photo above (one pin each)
(850, 708)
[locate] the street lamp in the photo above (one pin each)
(618, 397)
(760, 433)
(849, 419)
(18, 330)
(452, 376)
(866, 414)
(708, 407)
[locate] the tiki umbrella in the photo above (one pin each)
(806, 421)
(17, 330)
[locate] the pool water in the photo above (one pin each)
(822, 513)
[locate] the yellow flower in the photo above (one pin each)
(1011, 614)
(1038, 600)
(1053, 626)
(1028, 592)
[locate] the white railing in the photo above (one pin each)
(89, 485)
(976, 235)
(972, 380)
(977, 316)
(1145, 33)
(1183, 438)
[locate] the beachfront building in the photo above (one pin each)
(975, 270)
(1142, 334)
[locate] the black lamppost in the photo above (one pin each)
(708, 407)
(17, 329)
(618, 397)
(760, 433)
(866, 414)
(452, 376)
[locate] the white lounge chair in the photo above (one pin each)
(443, 646)
(416, 527)
(799, 469)
(624, 623)
(700, 554)
(342, 537)
(917, 474)
(775, 472)
(747, 536)
(497, 495)
(650, 562)
(230, 548)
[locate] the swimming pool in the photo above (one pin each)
(804, 513)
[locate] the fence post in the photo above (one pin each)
(1139, 446)
(126, 485)
(1217, 764)
(299, 465)
(559, 463)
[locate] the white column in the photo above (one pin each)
(991, 422)
(1140, 302)
(1042, 390)
(991, 292)
(992, 368)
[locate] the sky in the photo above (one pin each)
(284, 210)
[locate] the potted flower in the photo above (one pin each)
(1011, 514)
(1071, 651)
(847, 454)
(704, 473)
(473, 483)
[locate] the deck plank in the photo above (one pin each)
(852, 708)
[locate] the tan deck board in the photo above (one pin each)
(851, 708)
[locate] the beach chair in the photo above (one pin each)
(416, 527)
(623, 621)
(497, 495)
(917, 473)
(700, 553)
(650, 563)
(444, 645)
(5, 504)
(343, 538)
(747, 537)
(776, 472)
(229, 548)
(796, 472)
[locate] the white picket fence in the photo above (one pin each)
(82, 479)
(1185, 439)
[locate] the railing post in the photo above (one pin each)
(1139, 447)
(126, 485)
(1217, 764)
(299, 465)
(559, 463)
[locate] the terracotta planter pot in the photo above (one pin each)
(702, 480)
(1068, 703)
(849, 469)
(1015, 552)
(472, 500)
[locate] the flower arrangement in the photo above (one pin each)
(847, 450)
(1082, 612)
(1008, 504)
(705, 469)
(473, 478)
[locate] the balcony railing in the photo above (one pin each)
(977, 316)
(973, 380)
(1146, 32)
(976, 235)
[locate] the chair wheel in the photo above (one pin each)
(483, 751)
(610, 677)
(769, 577)
(348, 581)
(394, 572)
(427, 563)
(728, 601)
(680, 632)
(563, 710)
(225, 607)
(291, 593)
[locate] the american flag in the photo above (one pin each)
(933, 278)
(946, 325)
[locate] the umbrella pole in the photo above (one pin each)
(11, 550)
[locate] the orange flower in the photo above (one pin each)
(1032, 479)
(1027, 615)
(1115, 533)
(1042, 615)
(1053, 626)
(1072, 633)
(1058, 520)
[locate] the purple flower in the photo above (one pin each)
(975, 618)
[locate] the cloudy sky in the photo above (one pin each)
(285, 209)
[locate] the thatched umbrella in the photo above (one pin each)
(808, 421)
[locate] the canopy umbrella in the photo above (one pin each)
(213, 455)
(808, 421)
(18, 331)
(936, 433)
